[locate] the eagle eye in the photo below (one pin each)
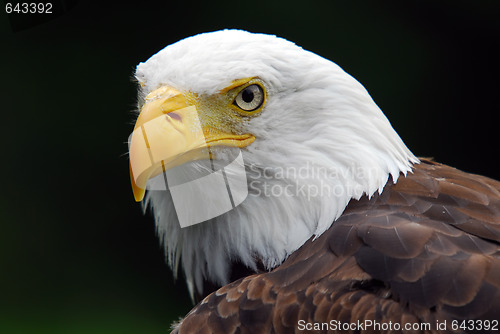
(250, 98)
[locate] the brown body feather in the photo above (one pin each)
(427, 249)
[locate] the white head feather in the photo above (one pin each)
(320, 134)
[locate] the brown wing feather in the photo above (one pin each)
(426, 249)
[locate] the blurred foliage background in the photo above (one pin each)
(76, 253)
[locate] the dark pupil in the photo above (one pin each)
(247, 95)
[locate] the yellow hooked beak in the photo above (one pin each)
(169, 133)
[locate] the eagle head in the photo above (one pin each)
(309, 137)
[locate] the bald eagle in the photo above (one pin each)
(340, 227)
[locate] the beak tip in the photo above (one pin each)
(138, 191)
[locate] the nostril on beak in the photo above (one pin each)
(175, 116)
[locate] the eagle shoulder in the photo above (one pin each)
(426, 249)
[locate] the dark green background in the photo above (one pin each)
(76, 253)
